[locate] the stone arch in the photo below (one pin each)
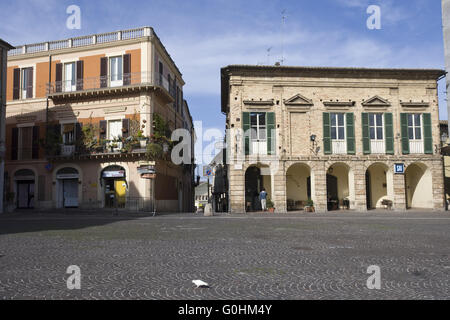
(257, 176)
(418, 184)
(25, 196)
(340, 186)
(58, 198)
(299, 185)
(379, 184)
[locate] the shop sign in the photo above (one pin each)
(146, 170)
(67, 176)
(114, 174)
(148, 176)
(399, 168)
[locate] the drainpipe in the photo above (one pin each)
(48, 93)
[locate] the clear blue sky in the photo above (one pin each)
(204, 35)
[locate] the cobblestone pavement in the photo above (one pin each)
(242, 257)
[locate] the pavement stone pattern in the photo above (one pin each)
(241, 256)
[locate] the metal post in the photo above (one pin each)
(209, 200)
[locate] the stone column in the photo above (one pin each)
(319, 186)
(399, 192)
(437, 171)
(236, 190)
(279, 188)
(359, 174)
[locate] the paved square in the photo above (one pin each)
(242, 257)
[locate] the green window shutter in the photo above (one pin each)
(246, 128)
(351, 149)
(427, 133)
(327, 134)
(389, 132)
(405, 135)
(271, 145)
(365, 133)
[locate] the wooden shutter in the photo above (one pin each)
(271, 136)
(29, 72)
(365, 133)
(58, 79)
(247, 133)
(15, 144)
(103, 125)
(16, 84)
(35, 147)
(389, 132)
(404, 131)
(125, 128)
(80, 75)
(127, 69)
(78, 133)
(103, 72)
(327, 148)
(427, 133)
(161, 73)
(57, 133)
(351, 148)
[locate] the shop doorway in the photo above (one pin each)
(114, 186)
(25, 185)
(67, 184)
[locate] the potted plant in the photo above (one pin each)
(270, 206)
(310, 206)
(142, 139)
(9, 198)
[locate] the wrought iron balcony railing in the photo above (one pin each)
(109, 82)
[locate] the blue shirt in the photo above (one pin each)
(263, 195)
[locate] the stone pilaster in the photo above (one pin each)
(399, 193)
(437, 171)
(279, 190)
(359, 174)
(237, 190)
(320, 187)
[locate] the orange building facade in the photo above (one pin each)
(83, 125)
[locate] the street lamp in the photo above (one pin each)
(444, 138)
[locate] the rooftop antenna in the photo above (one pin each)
(283, 24)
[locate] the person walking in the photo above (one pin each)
(263, 199)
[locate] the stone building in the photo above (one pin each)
(345, 138)
(89, 122)
(4, 47)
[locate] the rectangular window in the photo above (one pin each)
(116, 71)
(258, 126)
(114, 129)
(376, 126)
(68, 133)
(415, 127)
(337, 126)
(25, 143)
(27, 83)
(69, 77)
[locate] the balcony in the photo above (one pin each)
(106, 151)
(107, 85)
(339, 146)
(83, 41)
(67, 150)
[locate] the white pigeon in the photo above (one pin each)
(200, 284)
